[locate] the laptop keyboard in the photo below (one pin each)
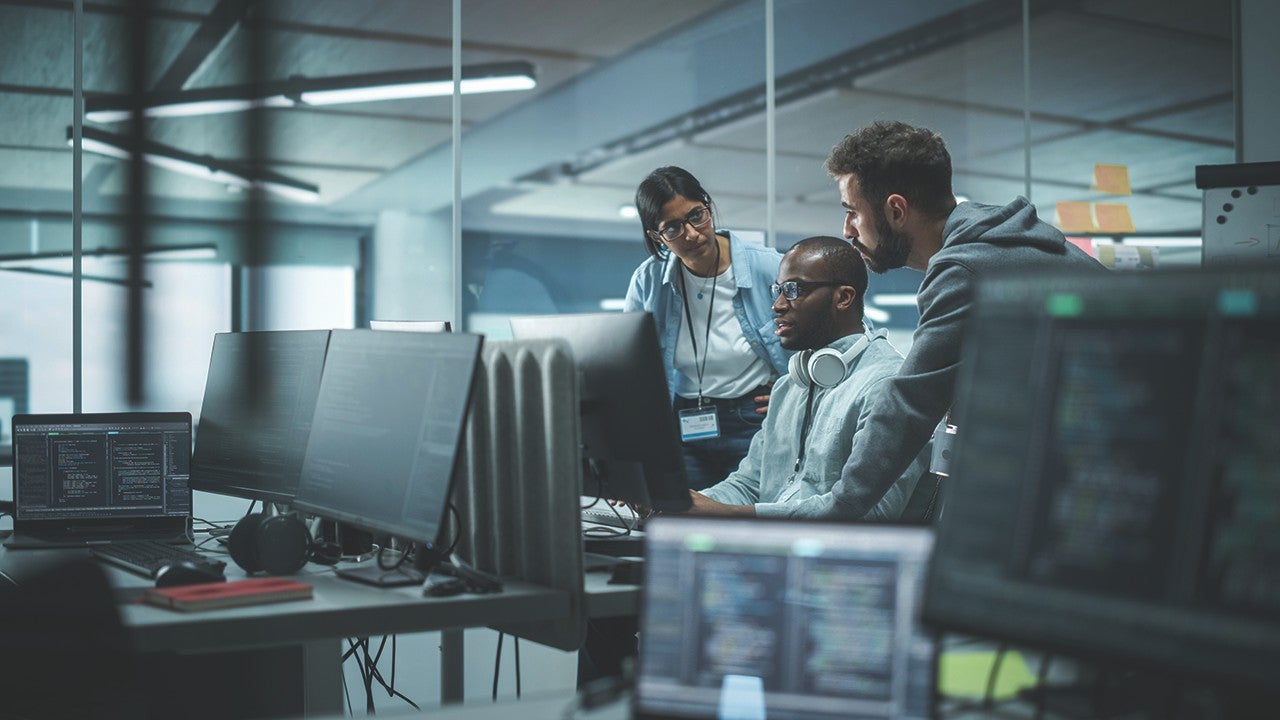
(146, 557)
(606, 516)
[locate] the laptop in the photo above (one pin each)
(86, 479)
(755, 619)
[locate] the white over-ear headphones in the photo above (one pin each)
(828, 367)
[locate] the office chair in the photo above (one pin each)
(66, 654)
(925, 503)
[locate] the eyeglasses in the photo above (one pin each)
(698, 217)
(793, 289)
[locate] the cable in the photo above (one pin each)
(601, 532)
(346, 693)
(989, 697)
(396, 566)
(457, 524)
(517, 649)
(497, 660)
(376, 674)
(356, 644)
(1042, 691)
(368, 677)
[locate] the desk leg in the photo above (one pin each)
(322, 677)
(452, 687)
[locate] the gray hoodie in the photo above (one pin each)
(976, 240)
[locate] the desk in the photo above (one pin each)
(605, 600)
(299, 642)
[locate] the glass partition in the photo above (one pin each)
(1118, 129)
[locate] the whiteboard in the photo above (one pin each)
(1241, 218)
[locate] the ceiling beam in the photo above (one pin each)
(203, 45)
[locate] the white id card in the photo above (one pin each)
(699, 424)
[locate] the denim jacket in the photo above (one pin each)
(654, 288)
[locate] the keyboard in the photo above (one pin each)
(606, 516)
(146, 557)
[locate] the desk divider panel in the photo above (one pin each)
(519, 486)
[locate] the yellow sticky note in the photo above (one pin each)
(1113, 217)
(965, 674)
(1112, 179)
(1075, 217)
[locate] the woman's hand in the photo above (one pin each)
(762, 401)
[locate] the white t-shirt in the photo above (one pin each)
(732, 368)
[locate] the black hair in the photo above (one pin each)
(659, 188)
(844, 263)
(890, 157)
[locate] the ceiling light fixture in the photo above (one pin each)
(305, 91)
(203, 251)
(197, 166)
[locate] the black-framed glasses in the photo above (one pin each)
(793, 289)
(697, 217)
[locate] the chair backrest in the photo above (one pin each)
(66, 653)
(925, 503)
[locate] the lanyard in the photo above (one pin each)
(706, 338)
(804, 429)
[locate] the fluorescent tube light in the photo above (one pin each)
(299, 90)
(894, 299)
(1182, 242)
(157, 252)
(875, 314)
(194, 107)
(197, 166)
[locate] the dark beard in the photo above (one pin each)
(892, 249)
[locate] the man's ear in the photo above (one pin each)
(844, 297)
(895, 210)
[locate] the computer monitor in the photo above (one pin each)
(412, 325)
(629, 433)
(387, 425)
(256, 417)
(783, 619)
(1113, 489)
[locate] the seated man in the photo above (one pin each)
(814, 412)
(817, 408)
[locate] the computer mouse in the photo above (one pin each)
(188, 573)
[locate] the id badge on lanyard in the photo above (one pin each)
(699, 423)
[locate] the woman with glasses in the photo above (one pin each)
(708, 291)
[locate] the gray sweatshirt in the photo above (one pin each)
(977, 239)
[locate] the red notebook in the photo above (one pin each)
(207, 596)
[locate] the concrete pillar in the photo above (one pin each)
(1258, 91)
(412, 257)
